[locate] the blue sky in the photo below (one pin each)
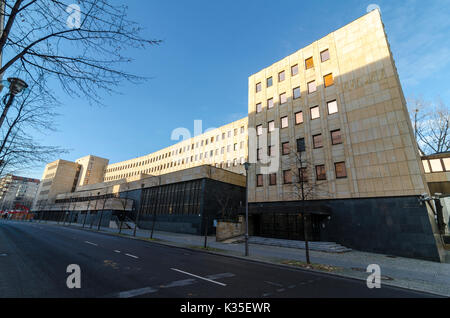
(210, 48)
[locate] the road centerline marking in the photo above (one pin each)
(90, 243)
(199, 277)
(133, 256)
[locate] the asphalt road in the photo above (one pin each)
(34, 260)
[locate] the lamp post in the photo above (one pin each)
(247, 167)
(16, 86)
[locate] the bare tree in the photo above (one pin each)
(30, 116)
(431, 121)
(81, 46)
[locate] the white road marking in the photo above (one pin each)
(209, 280)
(87, 242)
(117, 251)
(133, 256)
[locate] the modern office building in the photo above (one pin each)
(335, 116)
(17, 192)
(331, 149)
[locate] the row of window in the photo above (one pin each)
(284, 121)
(309, 63)
(336, 139)
(436, 165)
(235, 162)
(179, 151)
(302, 175)
(296, 93)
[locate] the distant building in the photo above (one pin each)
(15, 190)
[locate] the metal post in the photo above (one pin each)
(88, 207)
(139, 211)
(101, 215)
(154, 210)
(305, 232)
(247, 166)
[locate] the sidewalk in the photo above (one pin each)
(396, 271)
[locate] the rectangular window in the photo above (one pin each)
(299, 118)
(283, 98)
(259, 180)
(259, 130)
(258, 87)
(321, 173)
(273, 179)
(336, 137)
(287, 176)
(296, 92)
(285, 148)
(294, 70)
(332, 107)
(341, 171)
(436, 165)
(269, 82)
(270, 103)
(270, 151)
(312, 87)
(301, 145)
(328, 80)
(302, 175)
(284, 122)
(235, 147)
(317, 141)
(309, 63)
(259, 154)
(315, 112)
(281, 76)
(271, 126)
(325, 55)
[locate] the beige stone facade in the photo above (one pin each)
(225, 147)
(92, 170)
(353, 69)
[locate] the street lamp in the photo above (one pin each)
(247, 167)
(16, 86)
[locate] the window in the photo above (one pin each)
(301, 145)
(235, 132)
(309, 63)
(315, 112)
(325, 55)
(302, 175)
(270, 103)
(287, 176)
(270, 151)
(284, 122)
(269, 82)
(426, 166)
(341, 171)
(296, 92)
(321, 174)
(242, 129)
(259, 180)
(258, 87)
(235, 147)
(317, 141)
(312, 87)
(332, 107)
(281, 76)
(258, 154)
(242, 145)
(259, 130)
(446, 163)
(283, 98)
(336, 137)
(436, 165)
(328, 80)
(294, 70)
(299, 118)
(271, 126)
(273, 179)
(285, 148)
